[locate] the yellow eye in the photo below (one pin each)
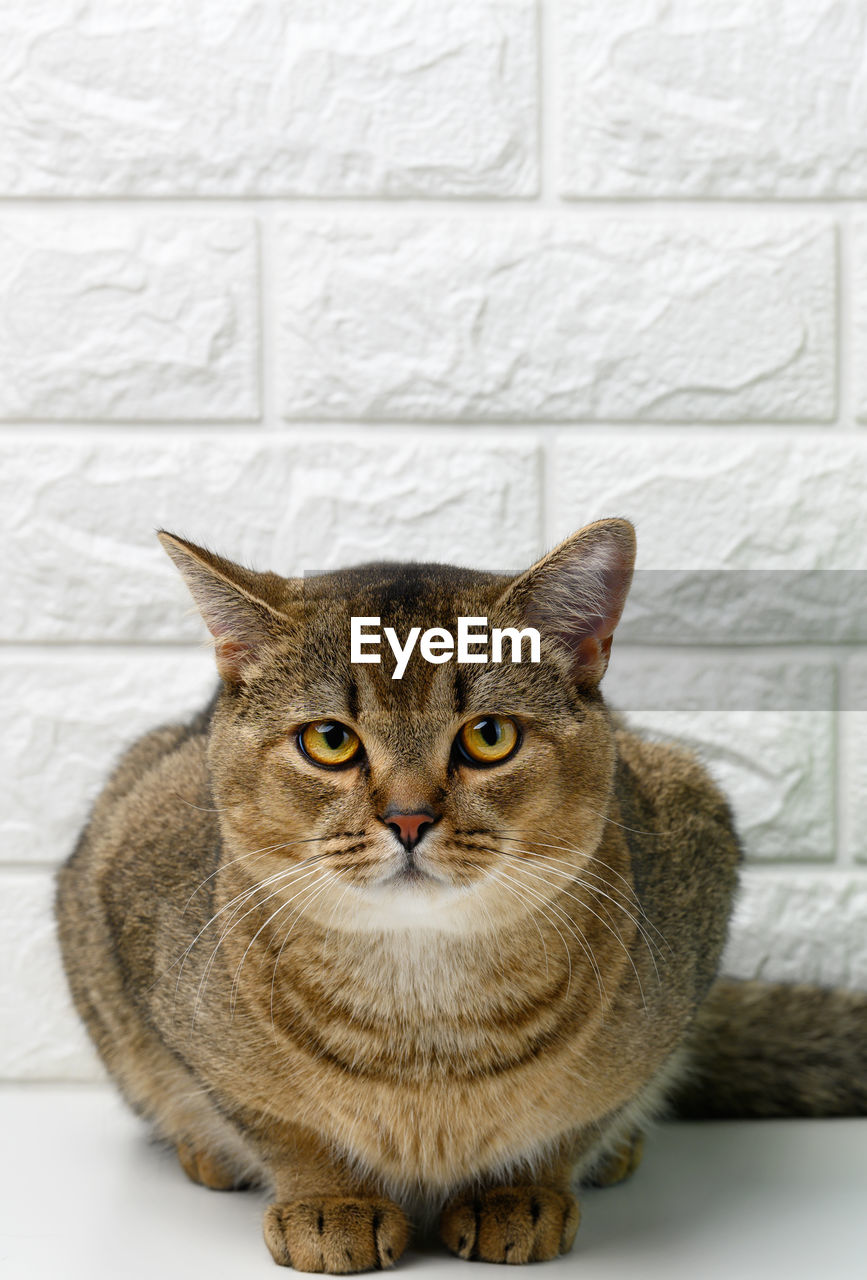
(488, 740)
(328, 742)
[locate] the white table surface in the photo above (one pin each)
(85, 1196)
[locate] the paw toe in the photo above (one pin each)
(510, 1224)
(336, 1234)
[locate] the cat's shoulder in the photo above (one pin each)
(174, 754)
(667, 774)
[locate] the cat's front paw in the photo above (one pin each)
(336, 1233)
(510, 1224)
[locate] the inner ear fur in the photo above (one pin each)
(575, 594)
(242, 609)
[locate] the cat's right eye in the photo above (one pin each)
(329, 743)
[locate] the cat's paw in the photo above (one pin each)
(510, 1224)
(336, 1234)
(207, 1169)
(618, 1165)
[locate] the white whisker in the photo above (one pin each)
(573, 929)
(332, 877)
(609, 926)
(241, 899)
(495, 876)
(631, 896)
(290, 874)
(484, 907)
(575, 877)
(258, 906)
(254, 855)
(334, 909)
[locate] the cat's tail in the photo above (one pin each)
(770, 1049)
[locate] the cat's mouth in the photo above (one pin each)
(411, 874)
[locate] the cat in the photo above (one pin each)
(446, 943)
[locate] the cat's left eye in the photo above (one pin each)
(488, 740)
(329, 743)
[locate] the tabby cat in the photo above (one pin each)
(438, 944)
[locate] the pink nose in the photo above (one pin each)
(408, 826)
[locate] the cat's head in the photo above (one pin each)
(387, 801)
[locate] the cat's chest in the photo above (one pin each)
(440, 1129)
(444, 1098)
(425, 1067)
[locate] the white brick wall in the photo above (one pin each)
(316, 282)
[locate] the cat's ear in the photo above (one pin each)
(576, 593)
(240, 607)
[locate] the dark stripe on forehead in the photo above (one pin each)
(352, 698)
(384, 689)
(425, 676)
(460, 690)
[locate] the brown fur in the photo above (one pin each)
(763, 1049)
(470, 1038)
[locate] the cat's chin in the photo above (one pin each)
(408, 897)
(409, 878)
(411, 874)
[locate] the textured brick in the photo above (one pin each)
(78, 517)
(714, 98)
(746, 523)
(123, 317)
(763, 727)
(860, 315)
(68, 716)
(538, 318)
(853, 776)
(675, 678)
(807, 927)
(40, 1035)
(329, 97)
